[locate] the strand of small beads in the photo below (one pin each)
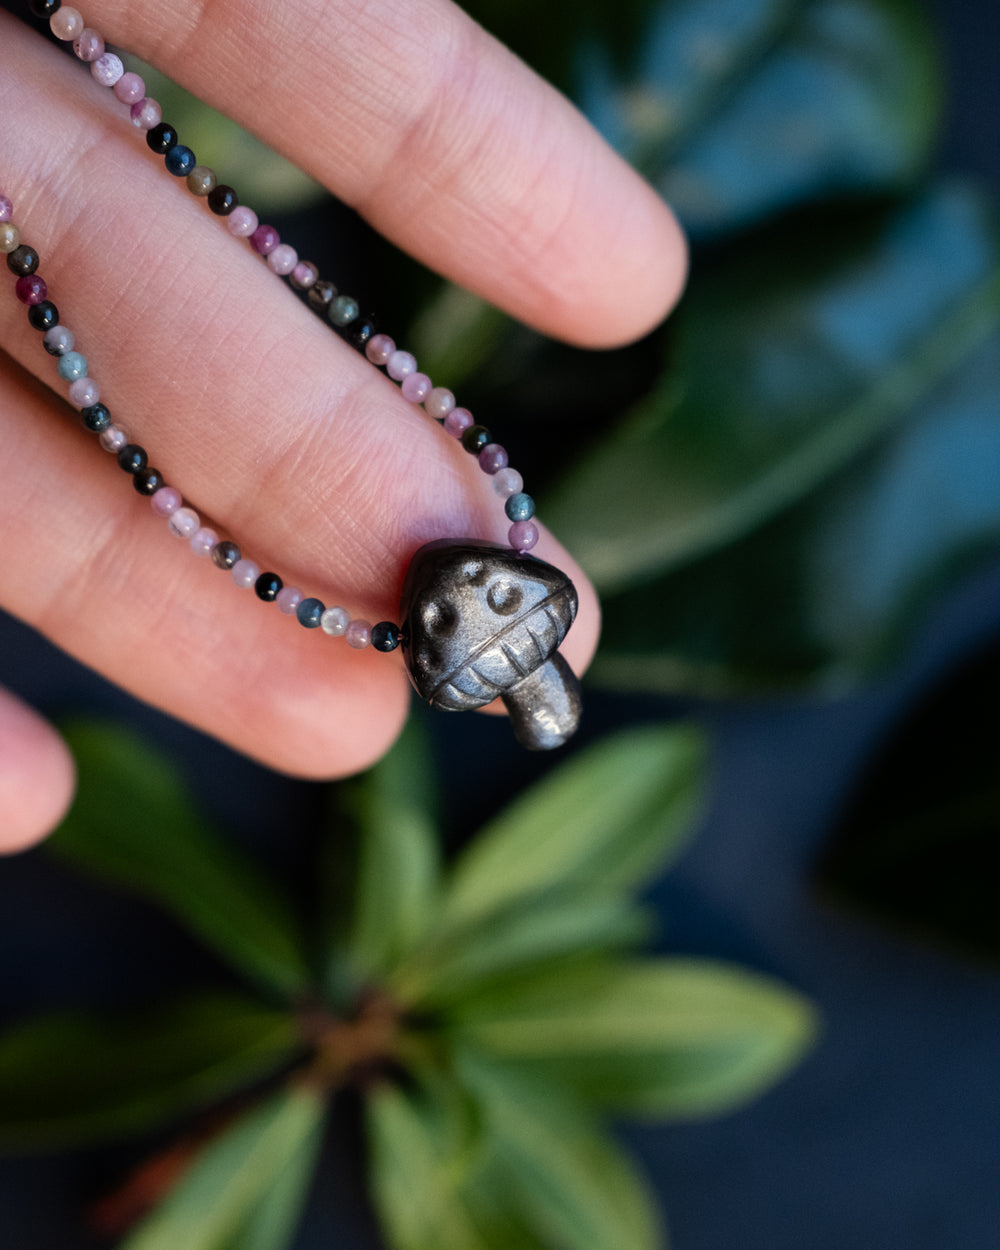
(342, 311)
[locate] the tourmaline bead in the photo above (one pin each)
(31, 289)
(161, 138)
(523, 535)
(458, 421)
(132, 458)
(107, 69)
(507, 482)
(89, 44)
(203, 540)
(43, 316)
(241, 222)
(145, 113)
(303, 275)
(358, 634)
(343, 311)
(179, 161)
(493, 458)
(379, 349)
(166, 501)
(129, 88)
(44, 8)
(222, 200)
(183, 523)
(58, 341)
(96, 418)
(23, 260)
(84, 392)
(283, 259)
(6, 208)
(113, 439)
(264, 240)
(72, 366)
(148, 481)
(267, 586)
(415, 387)
(310, 613)
(475, 438)
(385, 636)
(400, 365)
(288, 600)
(201, 180)
(362, 332)
(10, 236)
(321, 295)
(519, 507)
(439, 403)
(225, 554)
(335, 621)
(245, 573)
(66, 23)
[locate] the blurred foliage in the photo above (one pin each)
(491, 1012)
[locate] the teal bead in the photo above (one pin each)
(310, 613)
(520, 507)
(344, 310)
(72, 366)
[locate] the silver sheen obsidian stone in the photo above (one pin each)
(481, 622)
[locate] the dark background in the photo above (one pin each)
(887, 1135)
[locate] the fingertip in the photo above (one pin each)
(37, 776)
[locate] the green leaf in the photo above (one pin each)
(571, 1180)
(70, 1079)
(672, 1038)
(254, 1170)
(819, 465)
(166, 852)
(599, 824)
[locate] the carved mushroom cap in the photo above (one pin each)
(478, 618)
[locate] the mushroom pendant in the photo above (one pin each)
(481, 622)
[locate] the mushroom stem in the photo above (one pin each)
(545, 706)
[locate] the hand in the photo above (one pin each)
(282, 436)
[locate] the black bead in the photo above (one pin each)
(362, 332)
(132, 458)
(321, 295)
(23, 260)
(148, 481)
(225, 555)
(96, 417)
(45, 8)
(266, 587)
(475, 439)
(385, 636)
(161, 138)
(43, 316)
(222, 200)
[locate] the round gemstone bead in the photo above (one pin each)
(113, 439)
(201, 180)
(84, 392)
(400, 364)
(44, 8)
(241, 222)
(507, 482)
(310, 613)
(145, 113)
(519, 507)
(267, 586)
(6, 208)
(321, 295)
(288, 600)
(303, 275)
(415, 387)
(23, 260)
(166, 501)
(439, 403)
(183, 523)
(245, 573)
(132, 458)
(10, 236)
(66, 23)
(475, 438)
(225, 555)
(335, 621)
(385, 636)
(89, 44)
(72, 366)
(58, 341)
(43, 316)
(180, 161)
(96, 418)
(222, 200)
(458, 421)
(523, 535)
(493, 458)
(129, 88)
(343, 311)
(31, 289)
(148, 481)
(203, 540)
(362, 332)
(379, 349)
(283, 259)
(358, 634)
(107, 69)
(264, 240)
(161, 138)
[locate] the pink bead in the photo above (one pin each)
(242, 221)
(245, 573)
(507, 482)
(439, 403)
(31, 289)
(107, 69)
(66, 23)
(166, 501)
(416, 387)
(400, 365)
(289, 598)
(458, 421)
(283, 259)
(146, 113)
(203, 540)
(113, 439)
(84, 392)
(358, 634)
(523, 535)
(304, 275)
(379, 349)
(183, 523)
(89, 45)
(264, 240)
(6, 208)
(492, 459)
(130, 88)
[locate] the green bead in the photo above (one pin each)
(344, 310)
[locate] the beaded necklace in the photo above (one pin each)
(478, 621)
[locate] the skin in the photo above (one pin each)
(278, 433)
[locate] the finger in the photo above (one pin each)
(36, 776)
(443, 139)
